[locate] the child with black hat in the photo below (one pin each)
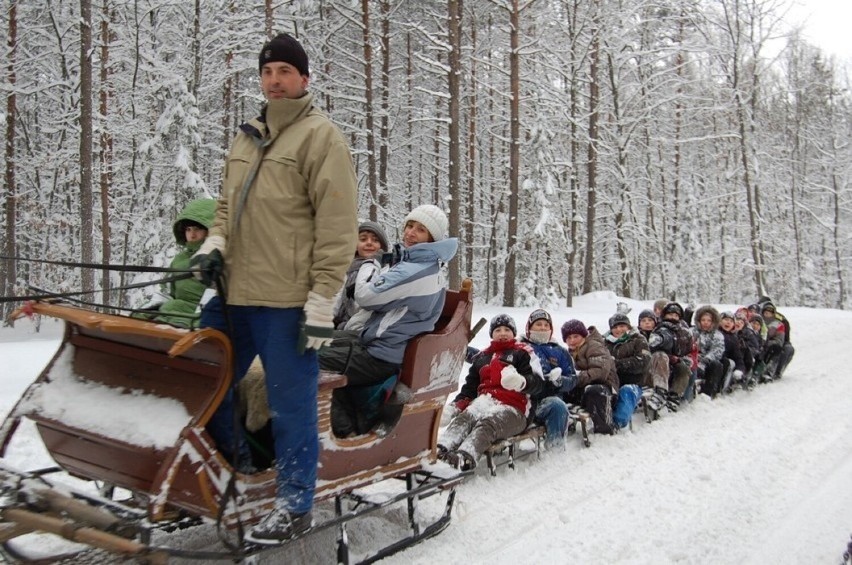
(494, 403)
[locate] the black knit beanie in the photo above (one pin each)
(284, 48)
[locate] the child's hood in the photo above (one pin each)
(442, 251)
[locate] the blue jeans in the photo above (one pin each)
(553, 413)
(291, 384)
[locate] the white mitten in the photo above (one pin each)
(511, 379)
(318, 330)
(738, 375)
(555, 376)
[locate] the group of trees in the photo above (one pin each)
(694, 149)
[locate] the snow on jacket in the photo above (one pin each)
(404, 301)
(593, 362)
(632, 355)
(486, 372)
(711, 344)
(288, 211)
(184, 295)
(551, 355)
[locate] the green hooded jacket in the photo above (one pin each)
(186, 293)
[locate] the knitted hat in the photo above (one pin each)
(673, 308)
(376, 229)
(502, 320)
(539, 315)
(574, 327)
(618, 318)
(726, 314)
(647, 314)
(755, 318)
(768, 306)
(285, 49)
(432, 218)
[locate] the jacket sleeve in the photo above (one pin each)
(529, 366)
(639, 357)
(717, 347)
(470, 388)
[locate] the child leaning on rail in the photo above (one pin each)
(494, 402)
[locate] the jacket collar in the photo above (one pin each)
(278, 115)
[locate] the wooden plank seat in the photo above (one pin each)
(146, 370)
(509, 447)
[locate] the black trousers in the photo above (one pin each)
(349, 356)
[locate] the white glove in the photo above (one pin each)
(448, 414)
(555, 376)
(511, 379)
(738, 375)
(318, 330)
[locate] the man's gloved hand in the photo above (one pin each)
(318, 328)
(555, 376)
(511, 379)
(208, 261)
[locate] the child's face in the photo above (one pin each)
(618, 330)
(706, 322)
(647, 324)
(194, 233)
(573, 341)
(727, 324)
(414, 233)
(502, 333)
(368, 244)
(540, 325)
(739, 323)
(755, 325)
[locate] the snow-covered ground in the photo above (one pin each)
(760, 477)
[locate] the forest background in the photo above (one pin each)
(692, 149)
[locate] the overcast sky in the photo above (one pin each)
(826, 24)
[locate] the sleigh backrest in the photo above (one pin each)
(433, 360)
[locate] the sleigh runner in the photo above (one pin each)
(164, 384)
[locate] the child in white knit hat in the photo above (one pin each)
(404, 294)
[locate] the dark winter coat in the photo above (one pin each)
(551, 355)
(753, 342)
(711, 344)
(733, 350)
(632, 356)
(594, 364)
(485, 374)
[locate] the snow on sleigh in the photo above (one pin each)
(156, 468)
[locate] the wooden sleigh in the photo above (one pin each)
(154, 372)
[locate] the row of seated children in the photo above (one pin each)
(746, 347)
(512, 383)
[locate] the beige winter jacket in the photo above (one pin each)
(288, 211)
